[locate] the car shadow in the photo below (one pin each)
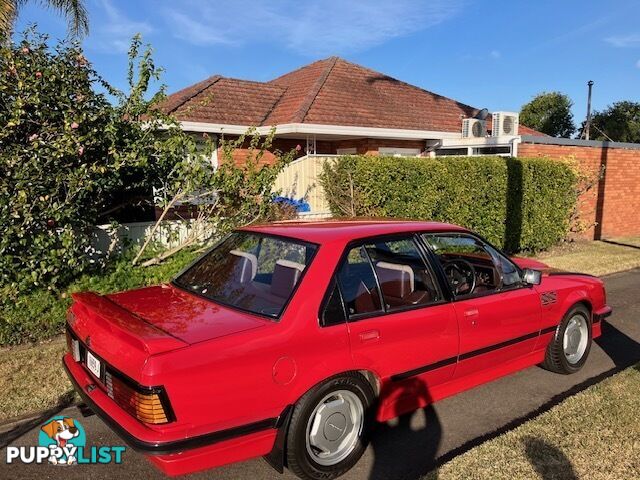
(547, 460)
(22, 427)
(620, 244)
(623, 350)
(402, 450)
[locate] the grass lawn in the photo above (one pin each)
(594, 434)
(32, 379)
(596, 258)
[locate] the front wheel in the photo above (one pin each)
(329, 426)
(569, 349)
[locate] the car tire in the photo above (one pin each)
(568, 351)
(335, 415)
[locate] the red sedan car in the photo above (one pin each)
(291, 340)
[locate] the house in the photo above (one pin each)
(335, 107)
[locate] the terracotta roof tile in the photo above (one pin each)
(329, 92)
(229, 101)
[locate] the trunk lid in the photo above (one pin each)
(184, 316)
(124, 329)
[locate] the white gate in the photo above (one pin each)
(299, 180)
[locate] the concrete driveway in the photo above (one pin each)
(414, 444)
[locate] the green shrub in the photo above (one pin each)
(41, 313)
(518, 204)
(67, 153)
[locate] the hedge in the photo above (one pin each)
(516, 203)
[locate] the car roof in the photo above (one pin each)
(343, 230)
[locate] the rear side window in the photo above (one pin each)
(358, 284)
(404, 278)
(386, 275)
(333, 312)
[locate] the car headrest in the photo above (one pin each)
(246, 266)
(366, 300)
(396, 280)
(285, 277)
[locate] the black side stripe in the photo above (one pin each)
(498, 346)
(426, 368)
(467, 355)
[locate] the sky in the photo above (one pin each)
(489, 54)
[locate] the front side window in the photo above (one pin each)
(386, 275)
(471, 266)
(252, 272)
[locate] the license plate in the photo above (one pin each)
(93, 364)
(75, 350)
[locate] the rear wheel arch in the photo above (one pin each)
(277, 457)
(373, 380)
(296, 454)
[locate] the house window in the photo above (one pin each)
(444, 152)
(492, 150)
(474, 151)
(347, 151)
(399, 151)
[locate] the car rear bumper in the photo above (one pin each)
(174, 453)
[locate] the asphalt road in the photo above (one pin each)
(414, 444)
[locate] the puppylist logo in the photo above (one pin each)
(62, 441)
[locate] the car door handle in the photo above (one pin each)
(369, 336)
(472, 314)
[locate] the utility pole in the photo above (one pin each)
(588, 124)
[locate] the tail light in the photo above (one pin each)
(147, 404)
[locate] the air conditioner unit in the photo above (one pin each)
(474, 128)
(504, 124)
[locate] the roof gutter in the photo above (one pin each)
(319, 129)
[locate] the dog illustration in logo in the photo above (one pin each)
(61, 431)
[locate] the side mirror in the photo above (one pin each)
(531, 276)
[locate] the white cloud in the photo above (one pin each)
(195, 32)
(638, 64)
(495, 54)
(323, 27)
(623, 41)
(114, 32)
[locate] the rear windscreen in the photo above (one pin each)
(252, 272)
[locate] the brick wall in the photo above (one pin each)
(613, 206)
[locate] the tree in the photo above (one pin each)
(73, 10)
(550, 113)
(619, 122)
(223, 198)
(65, 150)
